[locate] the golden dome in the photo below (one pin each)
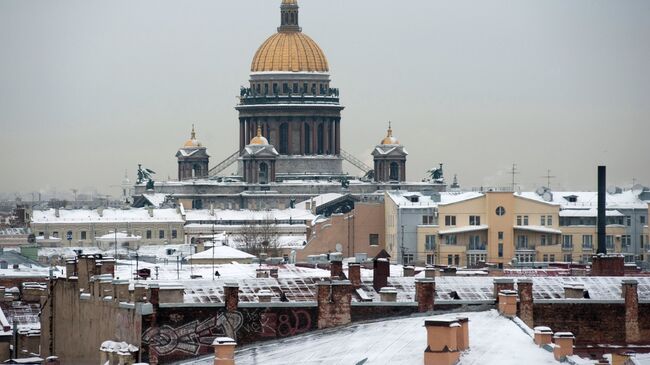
(289, 50)
(192, 142)
(389, 140)
(258, 139)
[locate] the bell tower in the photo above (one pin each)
(390, 159)
(193, 159)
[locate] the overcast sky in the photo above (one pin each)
(91, 88)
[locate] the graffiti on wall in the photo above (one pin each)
(282, 325)
(188, 338)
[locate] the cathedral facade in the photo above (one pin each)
(289, 138)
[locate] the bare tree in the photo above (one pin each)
(259, 236)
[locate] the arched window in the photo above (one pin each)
(293, 18)
(196, 171)
(307, 139)
(394, 171)
(284, 138)
(319, 137)
(264, 173)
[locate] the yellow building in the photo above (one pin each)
(503, 228)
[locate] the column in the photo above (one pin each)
(302, 138)
(242, 140)
(326, 137)
(314, 138)
(338, 136)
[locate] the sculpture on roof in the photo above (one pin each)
(436, 174)
(145, 175)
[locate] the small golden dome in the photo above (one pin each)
(289, 2)
(291, 52)
(389, 140)
(258, 139)
(192, 142)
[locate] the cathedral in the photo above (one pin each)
(289, 138)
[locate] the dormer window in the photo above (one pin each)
(571, 198)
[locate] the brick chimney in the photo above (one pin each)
(381, 272)
(231, 296)
(463, 333)
(525, 290)
(224, 351)
(409, 271)
(334, 303)
(631, 295)
(388, 294)
(336, 269)
(502, 284)
(563, 345)
(442, 341)
(425, 293)
(70, 268)
(354, 274)
(273, 272)
(430, 272)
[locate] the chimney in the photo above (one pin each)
(502, 284)
(425, 293)
(388, 294)
(224, 351)
(381, 272)
(273, 272)
(631, 295)
(154, 295)
(463, 333)
(525, 291)
(231, 296)
(430, 272)
(70, 268)
(442, 341)
(409, 271)
(334, 303)
(150, 209)
(602, 206)
(563, 345)
(574, 291)
(336, 270)
(508, 303)
(543, 336)
(354, 274)
(264, 296)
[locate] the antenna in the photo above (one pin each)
(514, 173)
(548, 178)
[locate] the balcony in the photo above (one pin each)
(249, 97)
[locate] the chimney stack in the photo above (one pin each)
(354, 274)
(224, 351)
(602, 206)
(336, 269)
(381, 272)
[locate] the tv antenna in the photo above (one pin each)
(514, 172)
(548, 178)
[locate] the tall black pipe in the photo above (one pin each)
(602, 216)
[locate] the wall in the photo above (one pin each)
(181, 333)
(590, 323)
(81, 325)
(351, 230)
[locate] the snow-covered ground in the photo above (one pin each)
(493, 340)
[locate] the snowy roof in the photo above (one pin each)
(586, 199)
(119, 237)
(319, 200)
(108, 215)
(494, 339)
(456, 197)
(155, 199)
(464, 229)
(221, 253)
(540, 229)
(249, 215)
(591, 212)
(406, 199)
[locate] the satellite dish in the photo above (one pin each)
(637, 189)
(540, 191)
(547, 196)
(339, 247)
(611, 189)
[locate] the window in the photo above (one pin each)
(474, 220)
(475, 260)
(430, 242)
(41, 234)
(55, 234)
(568, 258)
(525, 220)
(450, 260)
(285, 88)
(519, 220)
(500, 249)
(451, 239)
(626, 240)
(427, 219)
(174, 234)
(500, 235)
(641, 243)
(373, 239)
(542, 239)
(407, 258)
(543, 220)
(501, 211)
(295, 88)
(642, 219)
(587, 241)
(161, 234)
(609, 242)
(628, 220)
(525, 257)
(82, 235)
(549, 220)
(450, 220)
(431, 259)
(148, 234)
(522, 242)
(457, 260)
(552, 258)
(68, 236)
(545, 258)
(475, 243)
(567, 242)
